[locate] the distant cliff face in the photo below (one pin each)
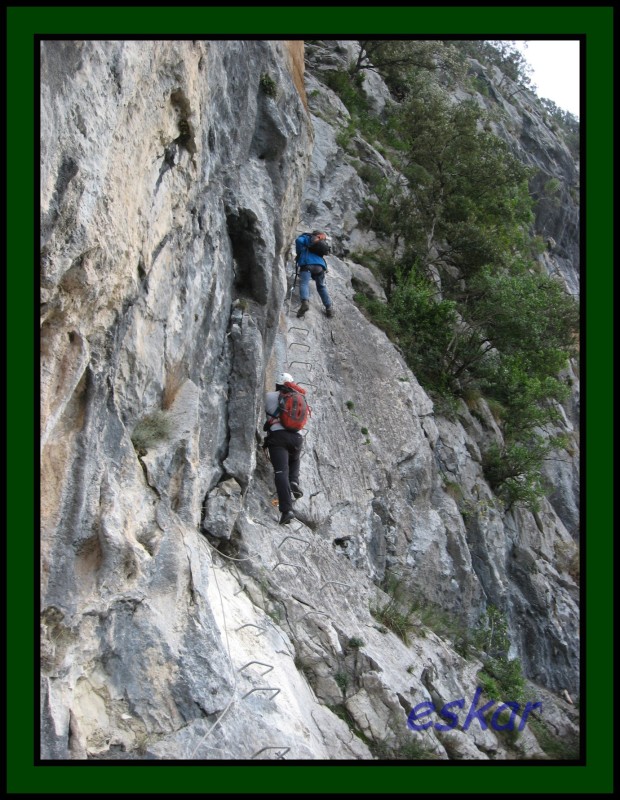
(178, 619)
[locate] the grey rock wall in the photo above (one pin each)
(178, 620)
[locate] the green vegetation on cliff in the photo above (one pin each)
(467, 301)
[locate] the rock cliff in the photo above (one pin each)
(178, 619)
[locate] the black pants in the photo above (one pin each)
(285, 454)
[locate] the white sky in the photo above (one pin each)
(555, 71)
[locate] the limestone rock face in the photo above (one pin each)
(178, 619)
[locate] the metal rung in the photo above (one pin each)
(305, 383)
(295, 328)
(298, 566)
(299, 344)
(298, 538)
(280, 756)
(238, 577)
(298, 528)
(251, 625)
(262, 689)
(262, 664)
(305, 363)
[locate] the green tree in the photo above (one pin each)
(466, 190)
(491, 633)
(513, 471)
(464, 302)
(526, 314)
(502, 677)
(462, 193)
(398, 61)
(500, 53)
(421, 325)
(530, 326)
(383, 55)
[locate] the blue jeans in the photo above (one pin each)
(304, 286)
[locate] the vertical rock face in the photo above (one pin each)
(178, 620)
(171, 175)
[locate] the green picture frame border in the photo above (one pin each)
(23, 24)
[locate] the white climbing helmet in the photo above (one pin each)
(283, 378)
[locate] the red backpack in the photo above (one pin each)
(293, 409)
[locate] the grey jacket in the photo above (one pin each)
(271, 406)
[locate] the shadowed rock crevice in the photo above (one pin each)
(186, 138)
(248, 249)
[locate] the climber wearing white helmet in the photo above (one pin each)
(285, 443)
(284, 377)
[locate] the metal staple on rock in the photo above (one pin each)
(305, 363)
(251, 625)
(261, 663)
(263, 689)
(295, 328)
(299, 539)
(279, 756)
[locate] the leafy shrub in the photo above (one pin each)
(552, 186)
(489, 685)
(513, 471)
(403, 749)
(419, 324)
(501, 678)
(491, 634)
(509, 675)
(370, 175)
(454, 490)
(268, 85)
(344, 137)
(151, 430)
(342, 679)
(497, 409)
(397, 620)
(348, 89)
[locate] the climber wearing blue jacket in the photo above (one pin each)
(310, 249)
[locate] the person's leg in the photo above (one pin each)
(322, 289)
(304, 292)
(304, 285)
(279, 456)
(294, 461)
